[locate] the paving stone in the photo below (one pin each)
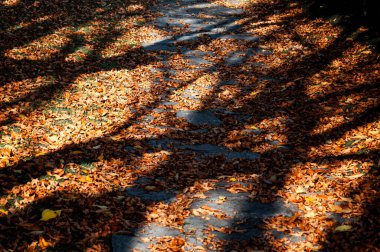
(194, 97)
(203, 117)
(147, 119)
(197, 61)
(159, 110)
(191, 93)
(194, 223)
(239, 236)
(165, 44)
(197, 53)
(244, 215)
(173, 80)
(155, 196)
(125, 243)
(264, 210)
(169, 103)
(134, 241)
(215, 194)
(242, 37)
(164, 144)
(235, 58)
(202, 149)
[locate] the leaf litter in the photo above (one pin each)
(77, 84)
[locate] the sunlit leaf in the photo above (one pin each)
(2, 211)
(85, 179)
(43, 243)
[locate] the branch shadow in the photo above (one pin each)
(91, 224)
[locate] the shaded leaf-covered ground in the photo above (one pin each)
(186, 126)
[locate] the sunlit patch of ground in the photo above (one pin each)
(85, 101)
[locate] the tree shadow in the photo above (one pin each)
(94, 216)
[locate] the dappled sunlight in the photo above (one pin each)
(10, 2)
(322, 35)
(320, 200)
(26, 25)
(361, 140)
(130, 37)
(179, 125)
(80, 54)
(13, 91)
(41, 49)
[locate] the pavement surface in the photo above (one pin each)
(242, 215)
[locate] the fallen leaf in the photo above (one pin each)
(76, 152)
(343, 228)
(253, 127)
(41, 154)
(309, 215)
(43, 243)
(48, 214)
(300, 190)
(85, 179)
(254, 93)
(101, 156)
(2, 211)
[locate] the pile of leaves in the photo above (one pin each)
(76, 88)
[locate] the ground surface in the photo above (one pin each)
(186, 125)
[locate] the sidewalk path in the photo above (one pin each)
(219, 213)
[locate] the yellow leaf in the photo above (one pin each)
(343, 228)
(232, 179)
(2, 211)
(48, 214)
(138, 147)
(309, 199)
(255, 93)
(254, 127)
(85, 179)
(41, 154)
(223, 198)
(367, 52)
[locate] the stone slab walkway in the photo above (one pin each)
(242, 215)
